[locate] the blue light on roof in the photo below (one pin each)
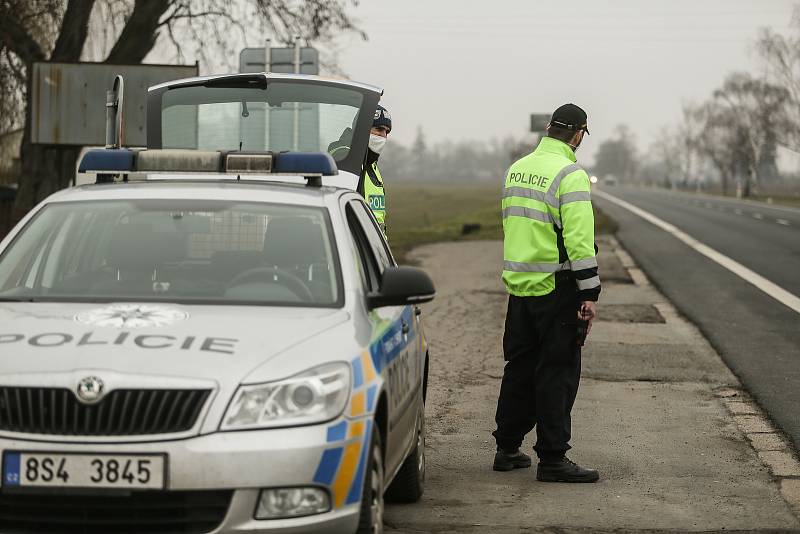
(122, 161)
(305, 163)
(107, 159)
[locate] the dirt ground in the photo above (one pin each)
(651, 415)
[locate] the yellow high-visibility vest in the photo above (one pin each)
(548, 223)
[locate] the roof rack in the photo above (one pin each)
(116, 164)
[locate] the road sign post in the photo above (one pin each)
(539, 122)
(295, 127)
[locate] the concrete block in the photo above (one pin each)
(739, 407)
(728, 393)
(790, 489)
(638, 277)
(781, 463)
(625, 258)
(753, 423)
(768, 442)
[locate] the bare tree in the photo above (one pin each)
(617, 156)
(719, 141)
(57, 30)
(754, 110)
(666, 153)
(781, 55)
(688, 135)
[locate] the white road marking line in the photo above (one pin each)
(737, 211)
(782, 221)
(770, 288)
(758, 216)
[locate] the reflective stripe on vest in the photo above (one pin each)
(589, 283)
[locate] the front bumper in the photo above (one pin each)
(248, 461)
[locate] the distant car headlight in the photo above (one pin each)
(313, 396)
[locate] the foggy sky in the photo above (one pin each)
(472, 69)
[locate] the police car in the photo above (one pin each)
(212, 338)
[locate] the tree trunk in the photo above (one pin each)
(49, 168)
(45, 169)
(27, 194)
(750, 180)
(139, 35)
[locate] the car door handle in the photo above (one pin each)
(405, 327)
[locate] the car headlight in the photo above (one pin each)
(314, 396)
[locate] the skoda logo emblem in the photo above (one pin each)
(90, 389)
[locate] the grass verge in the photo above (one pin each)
(430, 213)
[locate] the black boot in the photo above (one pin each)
(565, 470)
(506, 461)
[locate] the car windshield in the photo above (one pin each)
(277, 117)
(174, 250)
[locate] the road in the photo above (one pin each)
(757, 336)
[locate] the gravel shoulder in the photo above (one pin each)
(679, 445)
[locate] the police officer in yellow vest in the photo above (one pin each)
(371, 183)
(550, 273)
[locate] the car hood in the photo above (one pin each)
(207, 343)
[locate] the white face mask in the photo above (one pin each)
(376, 143)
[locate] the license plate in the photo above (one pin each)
(121, 471)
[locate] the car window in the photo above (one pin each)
(368, 266)
(175, 250)
(374, 236)
(278, 117)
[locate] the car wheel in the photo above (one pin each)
(372, 504)
(409, 484)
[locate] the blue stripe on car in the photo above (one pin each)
(337, 432)
(328, 466)
(372, 392)
(358, 373)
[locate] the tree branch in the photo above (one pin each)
(73, 31)
(17, 39)
(140, 32)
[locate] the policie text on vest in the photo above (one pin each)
(530, 179)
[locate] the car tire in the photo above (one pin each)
(370, 521)
(409, 484)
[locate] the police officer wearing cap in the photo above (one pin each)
(370, 185)
(550, 273)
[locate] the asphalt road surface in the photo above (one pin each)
(757, 336)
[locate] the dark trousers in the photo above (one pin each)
(543, 368)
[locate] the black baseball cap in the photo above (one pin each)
(571, 117)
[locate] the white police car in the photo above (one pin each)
(192, 346)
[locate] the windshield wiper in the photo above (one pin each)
(17, 299)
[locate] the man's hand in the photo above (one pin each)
(588, 312)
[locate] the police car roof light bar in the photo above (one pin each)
(109, 162)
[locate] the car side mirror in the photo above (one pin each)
(401, 286)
